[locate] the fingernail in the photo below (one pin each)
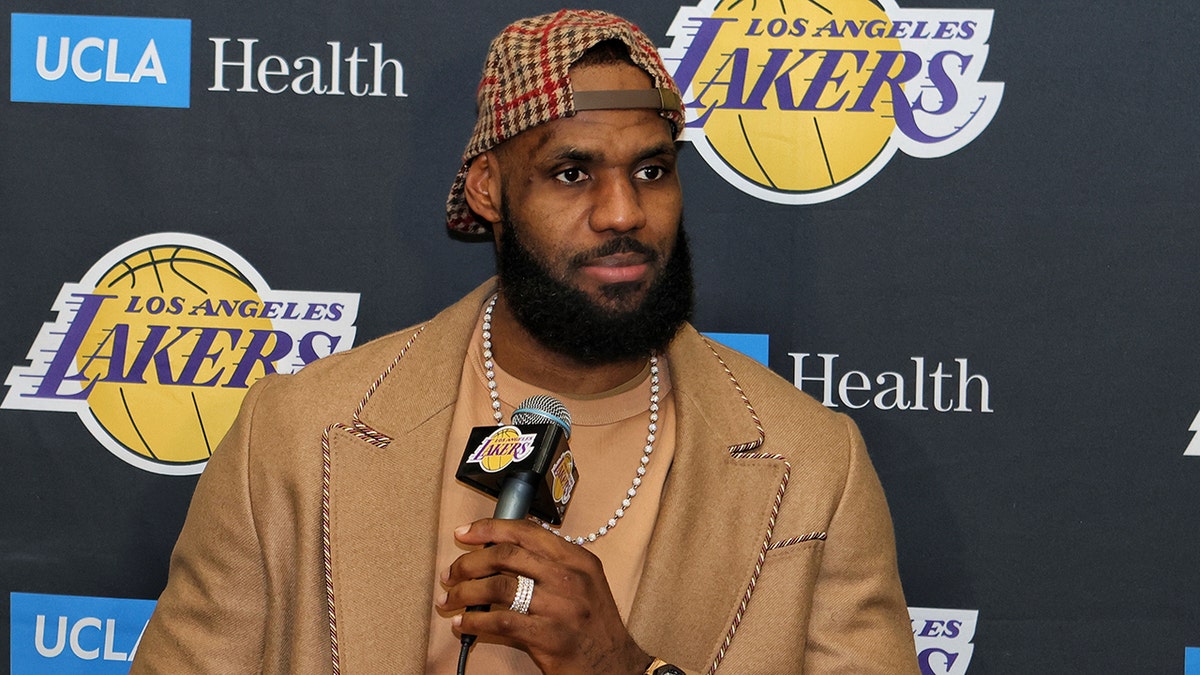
(442, 599)
(461, 530)
(456, 620)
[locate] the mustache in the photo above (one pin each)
(624, 244)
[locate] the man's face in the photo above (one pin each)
(579, 183)
(587, 246)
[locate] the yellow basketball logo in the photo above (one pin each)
(799, 102)
(565, 475)
(502, 447)
(156, 347)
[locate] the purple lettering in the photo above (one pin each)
(702, 41)
(770, 75)
(881, 75)
(57, 372)
(136, 373)
(822, 78)
(945, 30)
(162, 355)
(932, 628)
(924, 660)
(828, 30)
(248, 309)
(201, 353)
(308, 352)
(899, 29)
(206, 308)
(949, 99)
(257, 352)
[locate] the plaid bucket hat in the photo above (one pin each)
(525, 84)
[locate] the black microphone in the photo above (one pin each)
(526, 465)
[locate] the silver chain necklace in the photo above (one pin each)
(652, 430)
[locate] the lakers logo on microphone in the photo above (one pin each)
(501, 448)
(564, 477)
(155, 347)
(803, 102)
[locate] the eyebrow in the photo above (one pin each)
(574, 153)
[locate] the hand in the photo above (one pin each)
(573, 625)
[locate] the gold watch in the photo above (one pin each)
(660, 667)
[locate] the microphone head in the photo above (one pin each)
(543, 409)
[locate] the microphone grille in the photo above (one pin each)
(542, 409)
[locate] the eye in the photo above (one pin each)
(571, 176)
(651, 173)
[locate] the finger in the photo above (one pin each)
(531, 631)
(499, 590)
(500, 559)
(523, 533)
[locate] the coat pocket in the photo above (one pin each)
(770, 638)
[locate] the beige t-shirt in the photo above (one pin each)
(608, 436)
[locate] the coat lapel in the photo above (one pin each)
(384, 471)
(715, 517)
(712, 526)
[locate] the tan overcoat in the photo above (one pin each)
(309, 545)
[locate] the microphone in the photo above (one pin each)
(526, 465)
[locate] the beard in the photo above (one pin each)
(619, 328)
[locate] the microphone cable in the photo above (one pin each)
(467, 641)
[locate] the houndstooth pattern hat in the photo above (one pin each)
(525, 84)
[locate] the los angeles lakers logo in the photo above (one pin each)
(565, 476)
(501, 448)
(156, 346)
(802, 102)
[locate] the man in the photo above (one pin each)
(722, 518)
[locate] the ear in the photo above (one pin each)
(483, 187)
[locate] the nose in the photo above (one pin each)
(618, 206)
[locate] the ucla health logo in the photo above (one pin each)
(101, 60)
(919, 386)
(155, 347)
(71, 634)
(804, 102)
